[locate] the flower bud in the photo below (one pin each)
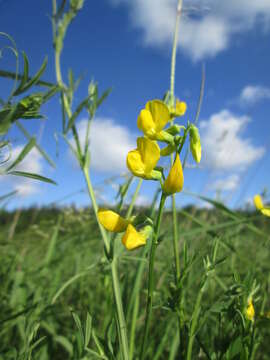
(168, 150)
(249, 311)
(195, 143)
(175, 180)
(179, 109)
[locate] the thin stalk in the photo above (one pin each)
(174, 211)
(113, 264)
(65, 101)
(115, 280)
(149, 306)
(194, 321)
(134, 302)
(134, 198)
(174, 48)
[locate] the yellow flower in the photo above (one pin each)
(195, 143)
(112, 221)
(152, 120)
(132, 239)
(179, 110)
(259, 205)
(249, 311)
(175, 180)
(142, 161)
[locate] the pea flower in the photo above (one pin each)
(179, 109)
(142, 161)
(132, 239)
(249, 311)
(259, 205)
(112, 221)
(175, 180)
(153, 119)
(195, 143)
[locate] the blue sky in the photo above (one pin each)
(126, 45)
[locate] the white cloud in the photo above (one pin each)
(109, 144)
(223, 146)
(251, 94)
(203, 35)
(143, 201)
(228, 183)
(31, 163)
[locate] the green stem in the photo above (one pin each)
(134, 198)
(195, 317)
(174, 48)
(66, 103)
(134, 301)
(149, 305)
(115, 280)
(174, 211)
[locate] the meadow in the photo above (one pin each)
(55, 286)
(124, 282)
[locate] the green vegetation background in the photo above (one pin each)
(51, 267)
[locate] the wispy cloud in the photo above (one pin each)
(252, 94)
(228, 183)
(224, 147)
(109, 144)
(201, 36)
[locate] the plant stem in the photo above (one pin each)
(195, 317)
(113, 264)
(174, 211)
(174, 48)
(175, 240)
(115, 280)
(149, 305)
(134, 198)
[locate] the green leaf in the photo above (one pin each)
(103, 97)
(77, 113)
(25, 75)
(28, 147)
(33, 80)
(12, 75)
(46, 96)
(88, 329)
(42, 152)
(80, 331)
(31, 176)
(64, 342)
(6, 196)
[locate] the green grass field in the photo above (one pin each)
(55, 286)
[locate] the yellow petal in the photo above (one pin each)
(112, 221)
(180, 108)
(175, 180)
(258, 202)
(160, 113)
(150, 153)
(146, 123)
(265, 211)
(132, 239)
(250, 312)
(135, 163)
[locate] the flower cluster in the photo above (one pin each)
(143, 161)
